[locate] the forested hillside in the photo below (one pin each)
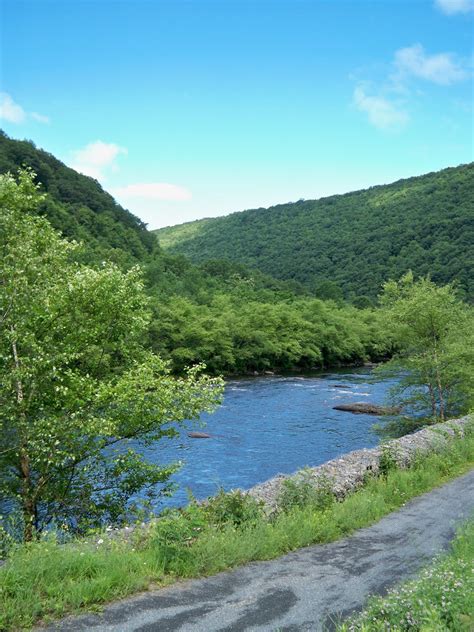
(78, 206)
(350, 242)
(234, 319)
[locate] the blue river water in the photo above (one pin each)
(270, 425)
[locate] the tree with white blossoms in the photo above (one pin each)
(79, 393)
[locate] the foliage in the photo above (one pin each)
(304, 491)
(388, 459)
(399, 425)
(232, 509)
(434, 333)
(174, 533)
(171, 235)
(244, 330)
(356, 241)
(441, 598)
(77, 206)
(233, 319)
(76, 383)
(43, 579)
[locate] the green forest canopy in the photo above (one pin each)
(233, 318)
(355, 241)
(78, 206)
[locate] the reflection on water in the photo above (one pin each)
(271, 425)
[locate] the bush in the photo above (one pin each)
(234, 508)
(388, 460)
(305, 491)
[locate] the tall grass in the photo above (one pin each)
(44, 580)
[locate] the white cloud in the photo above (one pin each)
(450, 7)
(40, 118)
(11, 111)
(96, 158)
(441, 68)
(381, 112)
(153, 191)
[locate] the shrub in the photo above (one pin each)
(234, 508)
(305, 491)
(388, 460)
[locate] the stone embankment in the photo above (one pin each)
(348, 472)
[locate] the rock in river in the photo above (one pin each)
(199, 435)
(367, 409)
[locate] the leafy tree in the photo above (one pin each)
(328, 291)
(79, 393)
(434, 332)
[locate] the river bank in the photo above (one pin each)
(269, 425)
(349, 472)
(44, 580)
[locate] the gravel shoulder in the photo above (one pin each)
(310, 589)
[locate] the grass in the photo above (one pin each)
(45, 580)
(441, 598)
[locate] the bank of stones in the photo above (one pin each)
(348, 472)
(344, 474)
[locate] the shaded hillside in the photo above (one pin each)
(78, 206)
(356, 240)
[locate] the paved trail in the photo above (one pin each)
(305, 590)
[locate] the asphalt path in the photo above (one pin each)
(310, 589)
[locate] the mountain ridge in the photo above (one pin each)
(78, 206)
(421, 223)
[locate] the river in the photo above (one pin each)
(270, 425)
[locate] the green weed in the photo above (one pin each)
(304, 491)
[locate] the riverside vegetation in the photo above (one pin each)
(79, 382)
(219, 313)
(95, 349)
(45, 579)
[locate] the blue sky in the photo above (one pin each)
(189, 109)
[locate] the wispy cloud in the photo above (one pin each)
(441, 68)
(40, 118)
(13, 112)
(152, 191)
(381, 112)
(96, 158)
(154, 202)
(383, 105)
(451, 7)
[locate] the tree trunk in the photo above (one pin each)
(440, 395)
(28, 504)
(438, 379)
(434, 410)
